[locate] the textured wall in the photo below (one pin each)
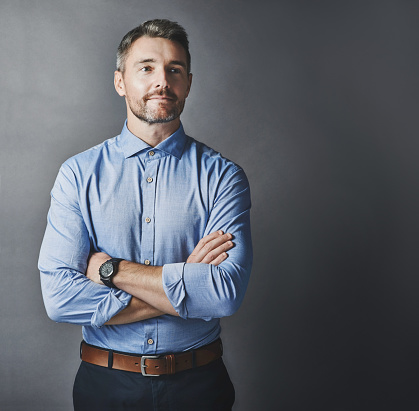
(318, 101)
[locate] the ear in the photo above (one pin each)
(119, 84)
(189, 85)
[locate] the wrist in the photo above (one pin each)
(108, 270)
(124, 267)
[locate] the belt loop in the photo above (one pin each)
(110, 359)
(170, 361)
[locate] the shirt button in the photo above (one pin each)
(151, 153)
(149, 179)
(148, 219)
(150, 341)
(147, 262)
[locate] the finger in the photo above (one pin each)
(219, 259)
(212, 245)
(94, 262)
(201, 244)
(205, 240)
(212, 255)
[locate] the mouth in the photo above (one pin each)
(161, 98)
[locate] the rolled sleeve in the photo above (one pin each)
(112, 304)
(206, 291)
(69, 296)
(174, 287)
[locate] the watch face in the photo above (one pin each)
(107, 270)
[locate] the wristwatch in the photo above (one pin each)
(108, 270)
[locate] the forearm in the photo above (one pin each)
(137, 310)
(144, 283)
(70, 297)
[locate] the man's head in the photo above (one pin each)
(162, 28)
(153, 72)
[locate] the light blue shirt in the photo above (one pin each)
(152, 206)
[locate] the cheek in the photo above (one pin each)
(135, 90)
(187, 89)
(182, 90)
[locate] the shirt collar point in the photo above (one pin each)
(173, 145)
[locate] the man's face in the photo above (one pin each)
(155, 82)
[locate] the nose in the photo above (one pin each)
(161, 79)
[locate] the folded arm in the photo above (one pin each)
(206, 291)
(145, 282)
(194, 289)
(69, 295)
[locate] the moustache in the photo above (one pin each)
(162, 92)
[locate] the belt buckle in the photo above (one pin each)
(143, 366)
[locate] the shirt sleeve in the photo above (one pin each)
(203, 290)
(69, 296)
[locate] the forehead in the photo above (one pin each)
(157, 49)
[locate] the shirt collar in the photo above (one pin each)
(173, 145)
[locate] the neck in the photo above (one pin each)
(152, 134)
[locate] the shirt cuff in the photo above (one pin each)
(111, 305)
(174, 287)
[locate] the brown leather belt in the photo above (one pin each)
(152, 365)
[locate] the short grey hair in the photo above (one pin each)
(163, 28)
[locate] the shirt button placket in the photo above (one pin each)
(149, 197)
(147, 234)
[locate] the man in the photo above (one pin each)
(138, 247)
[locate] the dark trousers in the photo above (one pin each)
(206, 388)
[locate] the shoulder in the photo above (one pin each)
(212, 160)
(223, 178)
(88, 159)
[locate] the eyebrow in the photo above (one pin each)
(144, 61)
(178, 63)
(151, 60)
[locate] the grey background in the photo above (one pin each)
(318, 101)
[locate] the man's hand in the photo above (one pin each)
(212, 249)
(94, 263)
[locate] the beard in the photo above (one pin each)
(164, 112)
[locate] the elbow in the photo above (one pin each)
(54, 314)
(54, 301)
(230, 294)
(55, 310)
(229, 306)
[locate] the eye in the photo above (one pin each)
(145, 68)
(175, 70)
